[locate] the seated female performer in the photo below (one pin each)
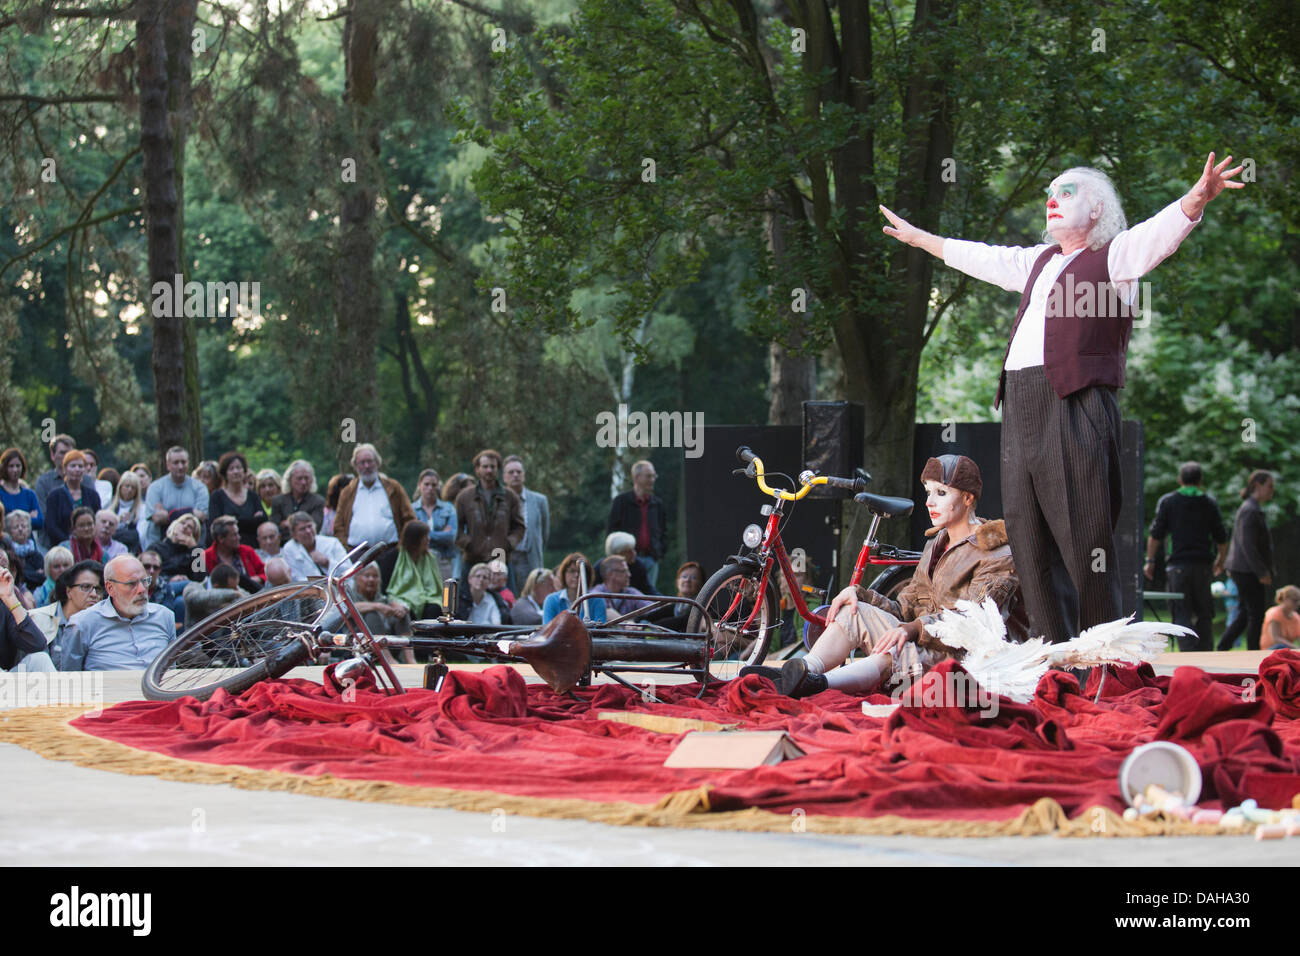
(965, 559)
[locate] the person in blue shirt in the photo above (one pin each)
(575, 575)
(14, 493)
(125, 631)
(440, 516)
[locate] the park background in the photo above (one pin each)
(485, 223)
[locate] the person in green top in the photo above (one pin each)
(416, 582)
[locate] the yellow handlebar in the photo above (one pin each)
(777, 492)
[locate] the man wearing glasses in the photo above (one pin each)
(125, 631)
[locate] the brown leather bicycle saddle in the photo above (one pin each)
(560, 651)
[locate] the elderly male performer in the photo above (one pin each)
(1060, 428)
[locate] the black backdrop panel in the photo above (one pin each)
(832, 442)
(980, 441)
(719, 505)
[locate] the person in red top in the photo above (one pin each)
(226, 549)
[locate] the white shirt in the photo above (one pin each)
(1132, 254)
(485, 611)
(372, 515)
(302, 567)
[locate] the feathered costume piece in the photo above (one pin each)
(1013, 670)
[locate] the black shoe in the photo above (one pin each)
(771, 673)
(798, 681)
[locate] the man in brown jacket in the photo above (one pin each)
(372, 507)
(489, 517)
(965, 559)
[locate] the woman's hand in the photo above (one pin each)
(7, 587)
(848, 598)
(891, 642)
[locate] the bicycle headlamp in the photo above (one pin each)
(752, 536)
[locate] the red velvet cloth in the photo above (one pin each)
(932, 758)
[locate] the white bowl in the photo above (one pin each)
(1165, 764)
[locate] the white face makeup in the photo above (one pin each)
(944, 504)
(1067, 206)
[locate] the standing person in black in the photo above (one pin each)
(1250, 561)
(236, 499)
(640, 512)
(1191, 518)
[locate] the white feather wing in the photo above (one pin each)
(1117, 642)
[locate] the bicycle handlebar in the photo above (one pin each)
(807, 480)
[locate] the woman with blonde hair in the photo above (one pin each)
(537, 588)
(1281, 621)
(57, 560)
(268, 486)
(127, 504)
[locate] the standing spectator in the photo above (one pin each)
(268, 486)
(372, 508)
(80, 586)
(106, 534)
(57, 560)
(573, 578)
(415, 582)
(103, 487)
(489, 517)
(82, 544)
(454, 486)
(14, 493)
(22, 645)
(68, 497)
(299, 495)
(1191, 518)
(641, 513)
(332, 492)
(268, 541)
(125, 631)
(537, 522)
(308, 554)
(171, 496)
(1281, 621)
(47, 481)
(128, 505)
(1250, 560)
(235, 498)
(440, 516)
(206, 472)
(537, 588)
(18, 525)
(226, 549)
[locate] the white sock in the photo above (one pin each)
(860, 677)
(814, 664)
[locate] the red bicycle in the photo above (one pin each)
(742, 595)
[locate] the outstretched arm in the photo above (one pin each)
(1213, 181)
(904, 231)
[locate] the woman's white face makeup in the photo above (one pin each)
(944, 504)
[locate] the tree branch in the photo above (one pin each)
(59, 100)
(80, 224)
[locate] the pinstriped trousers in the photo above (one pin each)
(1061, 497)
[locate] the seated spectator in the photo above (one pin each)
(623, 544)
(235, 498)
(79, 587)
(332, 492)
(415, 582)
(268, 541)
(203, 600)
(573, 578)
(151, 561)
(128, 505)
(18, 525)
(690, 578)
(9, 559)
(143, 472)
(478, 605)
(299, 494)
(382, 613)
(497, 581)
(277, 572)
(22, 645)
(268, 486)
(82, 544)
(68, 497)
(14, 493)
(96, 479)
(311, 555)
(538, 586)
(227, 549)
(620, 596)
(181, 561)
(125, 631)
(57, 560)
(106, 535)
(440, 516)
(206, 472)
(1281, 621)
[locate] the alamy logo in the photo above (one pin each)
(200, 300)
(651, 430)
(1091, 300)
(102, 909)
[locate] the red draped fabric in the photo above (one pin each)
(931, 758)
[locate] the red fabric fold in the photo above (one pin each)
(942, 755)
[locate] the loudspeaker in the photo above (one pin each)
(832, 442)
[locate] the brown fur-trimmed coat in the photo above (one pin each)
(971, 569)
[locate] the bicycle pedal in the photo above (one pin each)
(434, 675)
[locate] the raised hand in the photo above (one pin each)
(904, 231)
(1214, 180)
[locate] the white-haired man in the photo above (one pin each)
(125, 631)
(1061, 490)
(372, 507)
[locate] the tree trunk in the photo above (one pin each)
(163, 33)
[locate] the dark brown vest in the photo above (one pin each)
(1085, 349)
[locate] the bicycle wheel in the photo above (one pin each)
(236, 647)
(730, 596)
